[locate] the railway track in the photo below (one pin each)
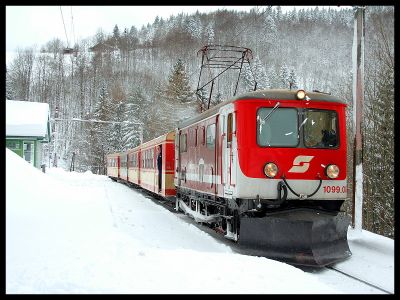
(373, 285)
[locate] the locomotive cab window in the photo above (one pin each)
(320, 129)
(277, 127)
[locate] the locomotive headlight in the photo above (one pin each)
(301, 94)
(332, 171)
(270, 170)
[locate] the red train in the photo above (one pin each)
(139, 165)
(267, 168)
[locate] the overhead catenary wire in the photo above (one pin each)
(72, 26)
(65, 30)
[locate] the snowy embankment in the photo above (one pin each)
(64, 235)
(372, 259)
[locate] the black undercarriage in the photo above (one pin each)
(305, 232)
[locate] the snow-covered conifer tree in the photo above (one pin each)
(293, 84)
(116, 35)
(284, 77)
(270, 30)
(178, 84)
(209, 33)
(134, 112)
(274, 79)
(255, 76)
(248, 78)
(193, 27)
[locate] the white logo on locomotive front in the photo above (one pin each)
(301, 164)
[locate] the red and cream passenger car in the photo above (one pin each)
(134, 165)
(113, 165)
(139, 165)
(148, 171)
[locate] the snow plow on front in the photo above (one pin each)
(302, 236)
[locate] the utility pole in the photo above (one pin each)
(55, 148)
(358, 100)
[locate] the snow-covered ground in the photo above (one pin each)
(69, 232)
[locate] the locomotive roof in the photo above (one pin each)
(270, 94)
(281, 94)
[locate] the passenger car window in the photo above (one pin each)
(183, 143)
(210, 136)
(229, 128)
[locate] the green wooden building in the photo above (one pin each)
(27, 128)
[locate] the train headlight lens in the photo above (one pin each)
(301, 94)
(332, 171)
(270, 170)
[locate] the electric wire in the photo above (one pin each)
(65, 30)
(73, 28)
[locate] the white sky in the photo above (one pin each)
(69, 232)
(30, 25)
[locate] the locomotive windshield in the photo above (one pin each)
(320, 129)
(278, 127)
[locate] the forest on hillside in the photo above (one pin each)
(121, 86)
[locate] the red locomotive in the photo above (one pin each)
(267, 168)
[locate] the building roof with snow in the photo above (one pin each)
(27, 119)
